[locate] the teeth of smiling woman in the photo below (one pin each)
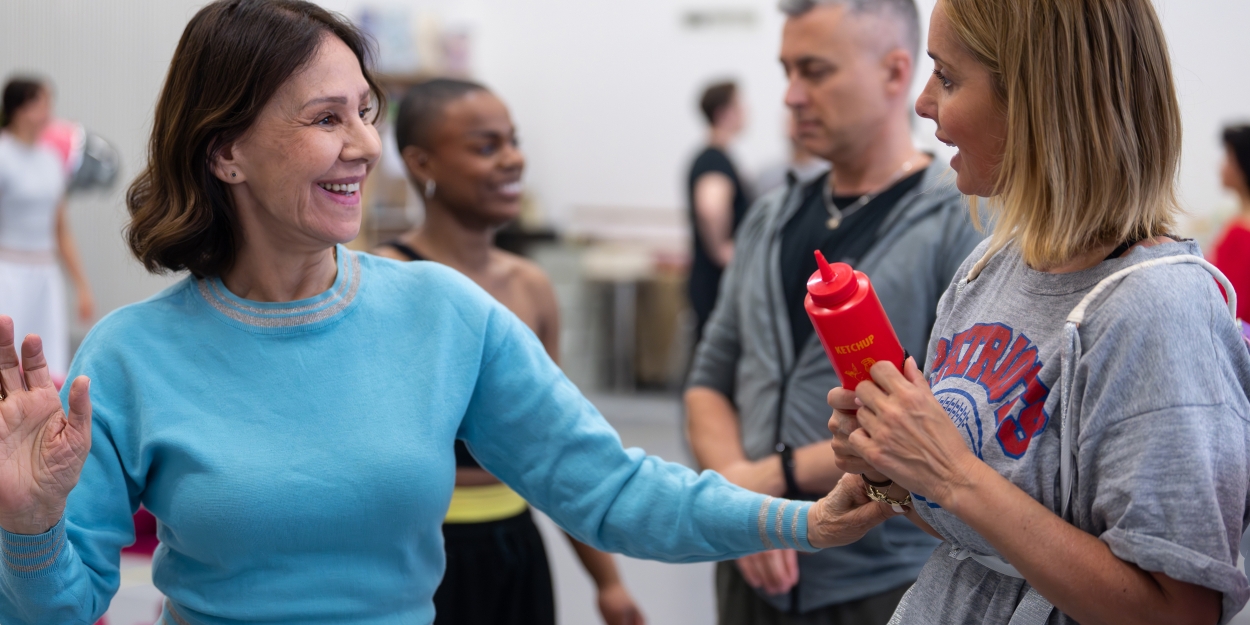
(511, 187)
(344, 189)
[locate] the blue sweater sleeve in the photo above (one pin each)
(528, 424)
(70, 573)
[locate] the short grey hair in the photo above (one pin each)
(902, 12)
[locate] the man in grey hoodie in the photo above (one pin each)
(756, 397)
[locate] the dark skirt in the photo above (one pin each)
(497, 574)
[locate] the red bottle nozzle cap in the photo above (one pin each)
(826, 272)
(831, 284)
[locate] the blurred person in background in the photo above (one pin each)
(800, 166)
(718, 199)
(1231, 252)
(34, 227)
(756, 402)
(461, 151)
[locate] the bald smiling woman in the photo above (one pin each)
(288, 411)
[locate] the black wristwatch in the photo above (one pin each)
(787, 471)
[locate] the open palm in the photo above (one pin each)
(42, 450)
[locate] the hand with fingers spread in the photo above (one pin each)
(901, 431)
(42, 450)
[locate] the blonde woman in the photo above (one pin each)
(1079, 434)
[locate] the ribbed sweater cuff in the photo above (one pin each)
(782, 524)
(32, 556)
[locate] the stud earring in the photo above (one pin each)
(430, 187)
(233, 174)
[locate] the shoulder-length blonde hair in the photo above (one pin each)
(1093, 123)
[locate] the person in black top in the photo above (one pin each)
(718, 201)
(460, 149)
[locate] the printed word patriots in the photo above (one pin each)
(995, 360)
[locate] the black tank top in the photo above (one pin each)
(464, 459)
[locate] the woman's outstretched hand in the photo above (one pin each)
(902, 431)
(42, 450)
(845, 515)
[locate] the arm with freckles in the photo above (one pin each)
(905, 433)
(1074, 570)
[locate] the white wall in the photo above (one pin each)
(603, 92)
(107, 61)
(1209, 55)
(612, 117)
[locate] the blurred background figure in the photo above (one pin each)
(802, 165)
(1231, 252)
(460, 148)
(718, 200)
(34, 231)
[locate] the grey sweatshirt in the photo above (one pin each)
(1161, 422)
(748, 356)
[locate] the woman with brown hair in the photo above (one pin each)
(288, 411)
(1079, 434)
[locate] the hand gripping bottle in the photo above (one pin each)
(850, 321)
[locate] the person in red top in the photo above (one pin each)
(1231, 252)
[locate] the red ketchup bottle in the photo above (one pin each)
(850, 321)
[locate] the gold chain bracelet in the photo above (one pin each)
(877, 494)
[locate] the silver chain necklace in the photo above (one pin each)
(837, 215)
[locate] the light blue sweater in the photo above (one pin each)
(299, 456)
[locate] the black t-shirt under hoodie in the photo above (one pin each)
(807, 231)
